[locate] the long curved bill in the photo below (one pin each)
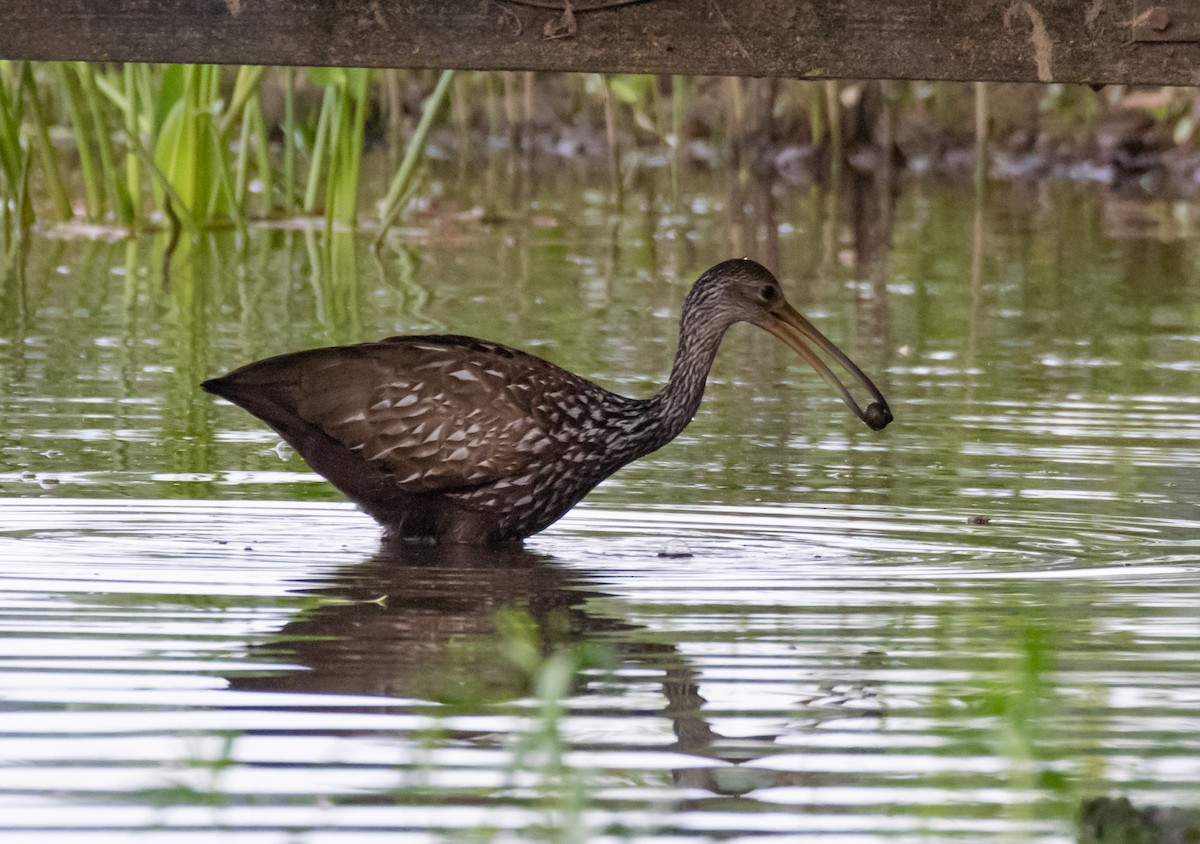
(786, 323)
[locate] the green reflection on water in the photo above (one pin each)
(1040, 352)
(1050, 377)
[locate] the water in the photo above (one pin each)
(960, 628)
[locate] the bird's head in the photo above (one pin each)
(742, 290)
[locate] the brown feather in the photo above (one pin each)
(392, 421)
(451, 439)
(435, 416)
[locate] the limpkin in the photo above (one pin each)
(443, 438)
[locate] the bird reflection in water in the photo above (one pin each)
(427, 622)
(419, 624)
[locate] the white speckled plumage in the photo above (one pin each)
(452, 439)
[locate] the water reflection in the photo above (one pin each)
(437, 624)
(804, 670)
(962, 630)
(426, 622)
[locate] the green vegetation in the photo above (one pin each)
(139, 146)
(189, 146)
(535, 770)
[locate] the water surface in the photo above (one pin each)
(960, 628)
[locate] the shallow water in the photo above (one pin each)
(959, 628)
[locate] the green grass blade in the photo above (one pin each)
(289, 139)
(10, 138)
(147, 100)
(247, 84)
(338, 134)
(25, 212)
(412, 154)
(215, 183)
(57, 185)
(224, 181)
(133, 167)
(262, 151)
(173, 204)
(119, 97)
(241, 168)
(318, 150)
(92, 186)
(108, 167)
(346, 141)
(176, 145)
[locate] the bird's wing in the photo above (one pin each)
(435, 413)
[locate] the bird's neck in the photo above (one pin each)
(673, 407)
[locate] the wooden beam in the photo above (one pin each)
(1093, 41)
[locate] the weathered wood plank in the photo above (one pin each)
(1096, 41)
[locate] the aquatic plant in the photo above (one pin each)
(190, 142)
(403, 184)
(14, 158)
(142, 145)
(337, 149)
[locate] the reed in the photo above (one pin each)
(403, 185)
(345, 146)
(17, 209)
(132, 129)
(10, 126)
(138, 146)
(56, 184)
(614, 150)
(335, 153)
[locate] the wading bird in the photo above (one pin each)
(450, 439)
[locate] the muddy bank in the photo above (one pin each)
(1141, 141)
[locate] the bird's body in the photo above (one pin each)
(446, 438)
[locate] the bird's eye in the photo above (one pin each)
(768, 292)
